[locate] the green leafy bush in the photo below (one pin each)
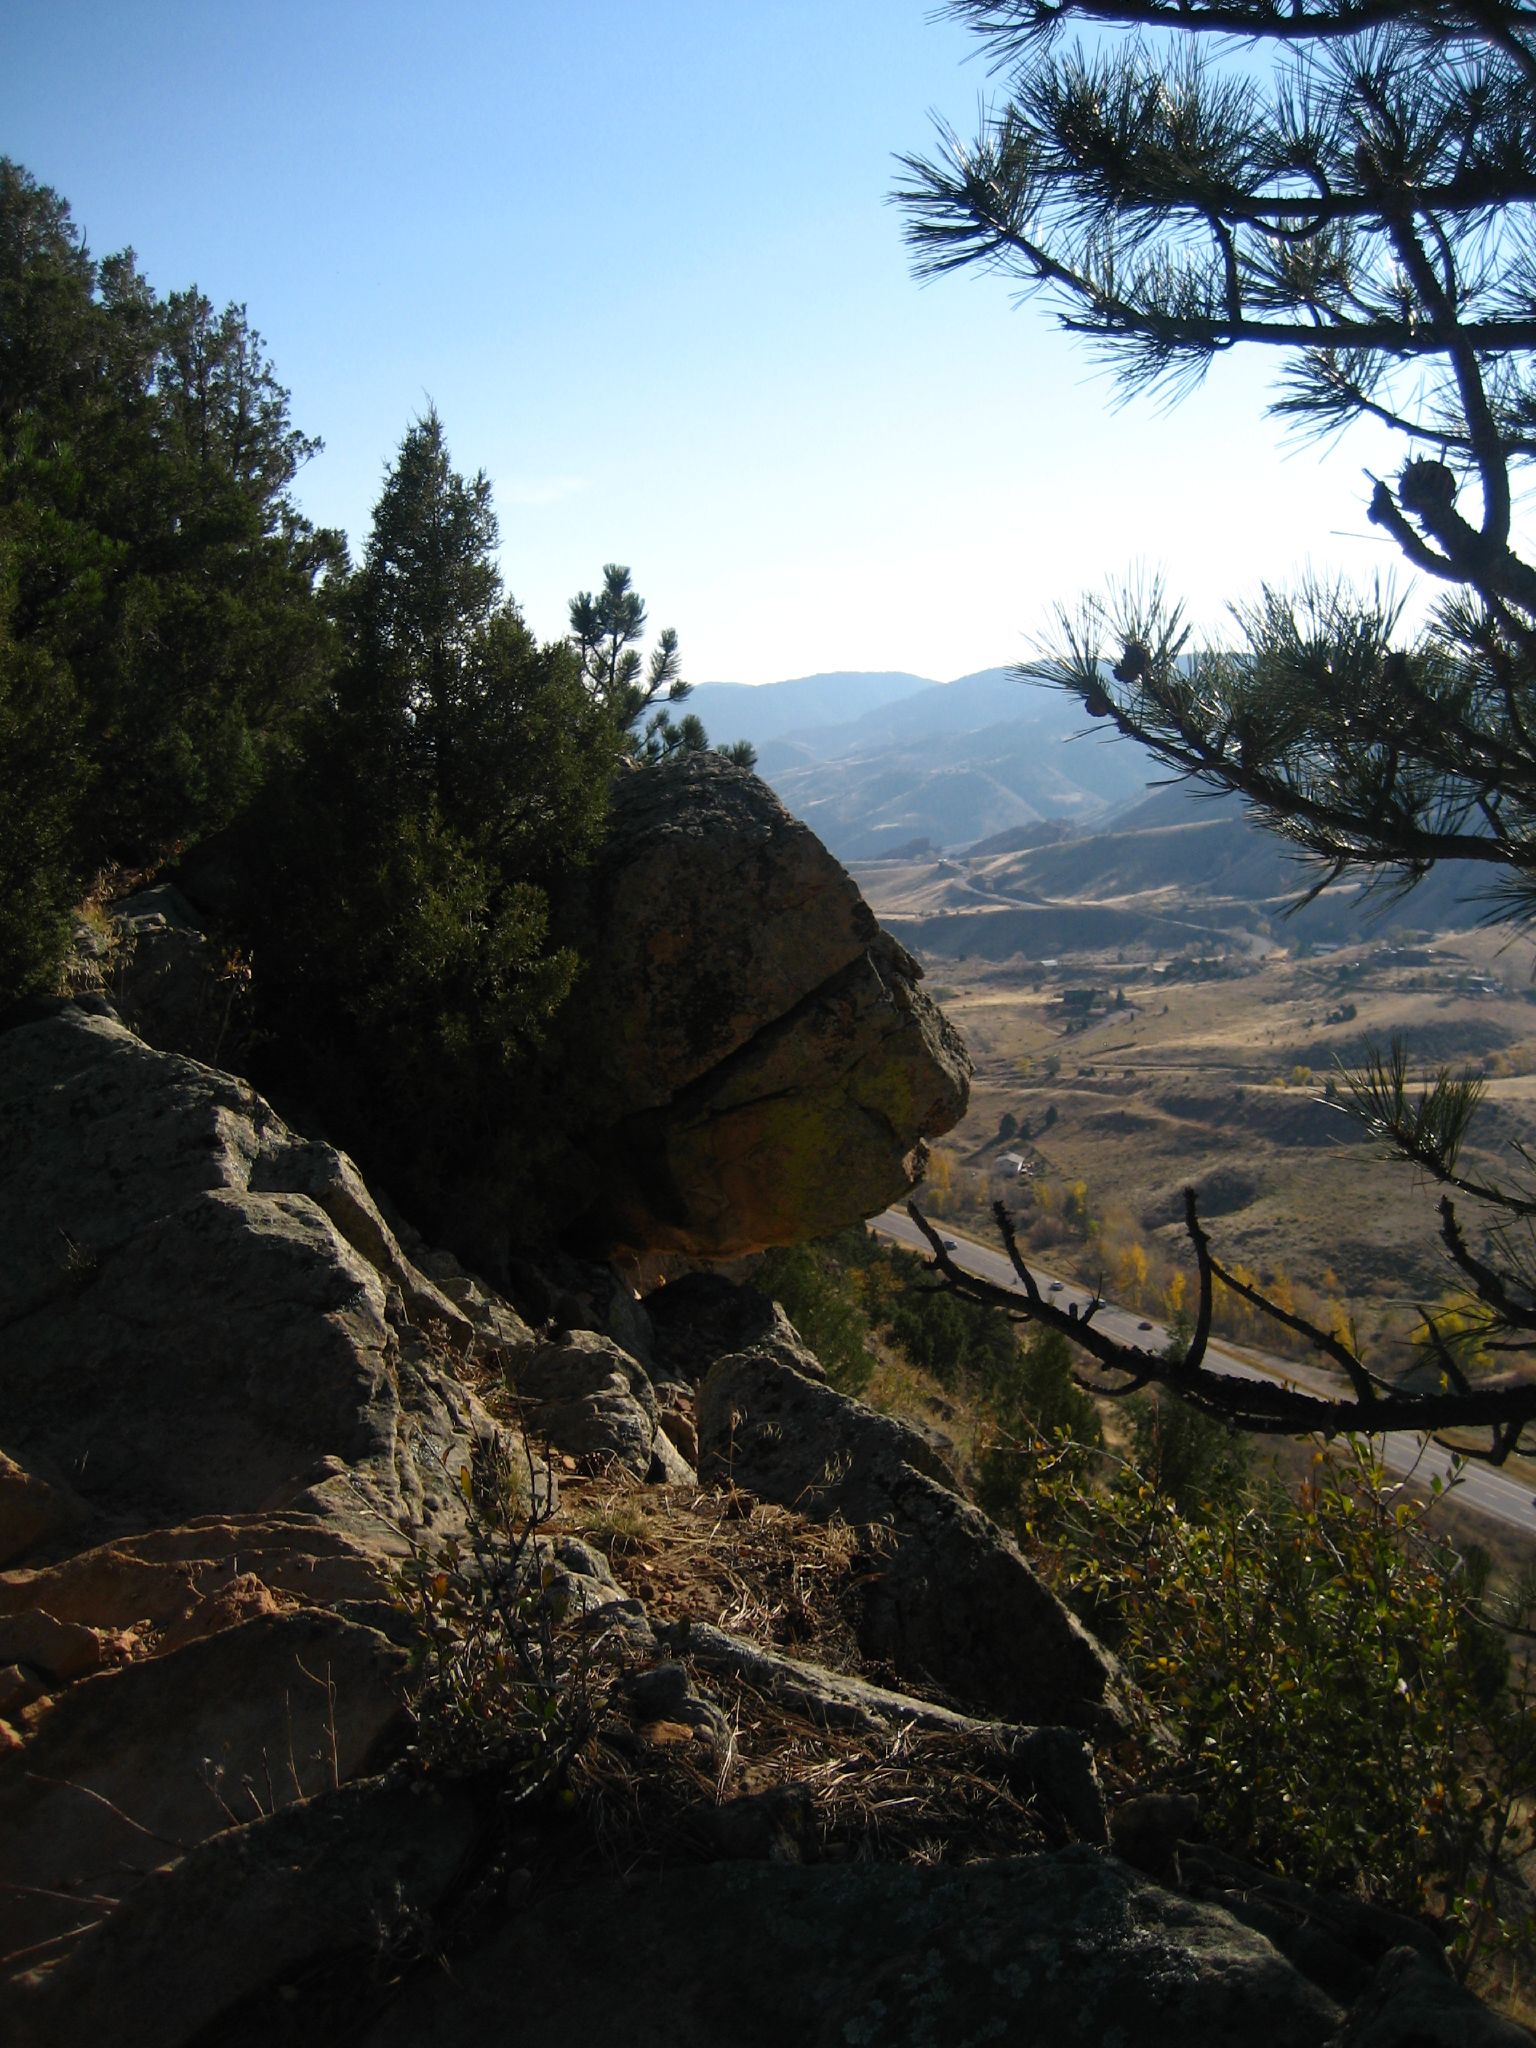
(1200, 1464)
(950, 1337)
(1030, 1411)
(816, 1285)
(1342, 1715)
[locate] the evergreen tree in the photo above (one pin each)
(605, 628)
(428, 588)
(163, 613)
(1353, 188)
(1349, 184)
(400, 870)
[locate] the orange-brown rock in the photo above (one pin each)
(762, 1065)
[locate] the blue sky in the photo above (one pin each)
(638, 254)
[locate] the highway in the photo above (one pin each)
(1482, 1489)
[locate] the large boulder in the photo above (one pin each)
(587, 1398)
(1071, 1949)
(344, 1874)
(201, 1312)
(226, 1415)
(112, 1776)
(704, 1316)
(760, 1064)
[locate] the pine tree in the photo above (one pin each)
(428, 588)
(1350, 185)
(165, 620)
(399, 876)
(605, 628)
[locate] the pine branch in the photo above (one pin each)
(1259, 1405)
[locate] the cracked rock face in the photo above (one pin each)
(764, 1064)
(220, 1372)
(1068, 1949)
(200, 1310)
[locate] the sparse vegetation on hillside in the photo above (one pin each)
(1340, 1709)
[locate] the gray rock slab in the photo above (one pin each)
(128, 1768)
(247, 1909)
(1068, 1951)
(202, 1312)
(1412, 2004)
(589, 1399)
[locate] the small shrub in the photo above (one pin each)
(1340, 1715)
(1199, 1463)
(1030, 1414)
(814, 1286)
(504, 1680)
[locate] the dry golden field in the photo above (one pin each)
(1216, 1076)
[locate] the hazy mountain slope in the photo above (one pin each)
(1237, 857)
(873, 760)
(744, 711)
(948, 788)
(974, 703)
(1177, 870)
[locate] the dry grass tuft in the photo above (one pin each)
(783, 1787)
(699, 1554)
(789, 1790)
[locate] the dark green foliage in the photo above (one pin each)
(1198, 1462)
(42, 780)
(816, 1286)
(399, 868)
(948, 1336)
(605, 629)
(160, 591)
(842, 1291)
(1331, 1699)
(1031, 1410)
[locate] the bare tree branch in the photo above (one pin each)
(1258, 1404)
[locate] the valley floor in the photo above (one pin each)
(1138, 1071)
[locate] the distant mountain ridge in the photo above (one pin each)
(763, 711)
(1182, 869)
(872, 761)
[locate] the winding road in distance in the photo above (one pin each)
(1482, 1490)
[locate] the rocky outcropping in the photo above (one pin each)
(226, 1416)
(762, 1064)
(200, 1311)
(1071, 1949)
(236, 1419)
